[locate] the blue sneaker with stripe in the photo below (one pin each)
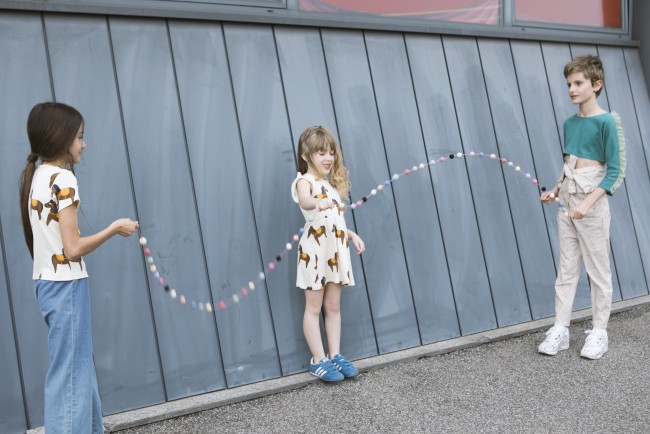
(325, 370)
(344, 366)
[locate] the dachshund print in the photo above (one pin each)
(334, 262)
(316, 260)
(52, 178)
(303, 256)
(316, 279)
(37, 206)
(323, 282)
(62, 260)
(317, 233)
(339, 234)
(53, 214)
(322, 194)
(62, 194)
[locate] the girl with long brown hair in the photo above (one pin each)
(49, 198)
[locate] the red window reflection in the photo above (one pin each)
(595, 13)
(466, 11)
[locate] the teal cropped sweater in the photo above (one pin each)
(598, 138)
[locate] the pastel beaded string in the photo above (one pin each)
(235, 298)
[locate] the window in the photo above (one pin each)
(591, 13)
(261, 3)
(465, 11)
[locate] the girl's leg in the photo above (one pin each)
(568, 272)
(69, 383)
(311, 323)
(594, 240)
(332, 305)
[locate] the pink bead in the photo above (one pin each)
(359, 203)
(222, 304)
(504, 161)
(161, 282)
(441, 159)
(271, 266)
(406, 172)
(535, 181)
(296, 237)
(147, 252)
(244, 292)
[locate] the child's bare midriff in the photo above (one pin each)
(583, 162)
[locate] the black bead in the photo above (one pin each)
(278, 258)
(365, 199)
(543, 188)
(451, 156)
(166, 288)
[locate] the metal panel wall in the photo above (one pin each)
(193, 127)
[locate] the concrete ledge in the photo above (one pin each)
(194, 404)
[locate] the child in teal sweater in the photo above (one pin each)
(594, 167)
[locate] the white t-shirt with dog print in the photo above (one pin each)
(53, 189)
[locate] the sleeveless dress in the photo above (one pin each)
(323, 253)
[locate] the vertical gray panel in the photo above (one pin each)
(231, 246)
(12, 410)
(625, 241)
(463, 248)
(546, 152)
(555, 57)
(641, 101)
(165, 199)
(271, 169)
(512, 138)
(25, 82)
(360, 130)
(126, 354)
(309, 102)
(487, 182)
(416, 208)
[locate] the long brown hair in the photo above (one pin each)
(320, 139)
(51, 129)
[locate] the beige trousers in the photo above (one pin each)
(583, 240)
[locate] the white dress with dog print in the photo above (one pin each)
(323, 252)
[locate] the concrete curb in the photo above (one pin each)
(207, 401)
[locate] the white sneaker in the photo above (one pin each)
(595, 344)
(557, 339)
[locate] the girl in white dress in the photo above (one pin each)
(324, 265)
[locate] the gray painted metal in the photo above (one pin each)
(414, 198)
(12, 410)
(193, 127)
(455, 206)
(513, 143)
(487, 182)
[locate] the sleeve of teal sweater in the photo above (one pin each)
(614, 147)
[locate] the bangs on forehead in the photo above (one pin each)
(321, 143)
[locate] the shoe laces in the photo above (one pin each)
(595, 337)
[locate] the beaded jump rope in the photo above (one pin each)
(235, 298)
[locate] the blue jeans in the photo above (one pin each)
(72, 404)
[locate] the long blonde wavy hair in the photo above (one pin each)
(320, 139)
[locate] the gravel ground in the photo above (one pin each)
(502, 387)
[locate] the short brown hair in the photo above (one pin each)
(591, 66)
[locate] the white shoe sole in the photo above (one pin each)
(552, 353)
(596, 357)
